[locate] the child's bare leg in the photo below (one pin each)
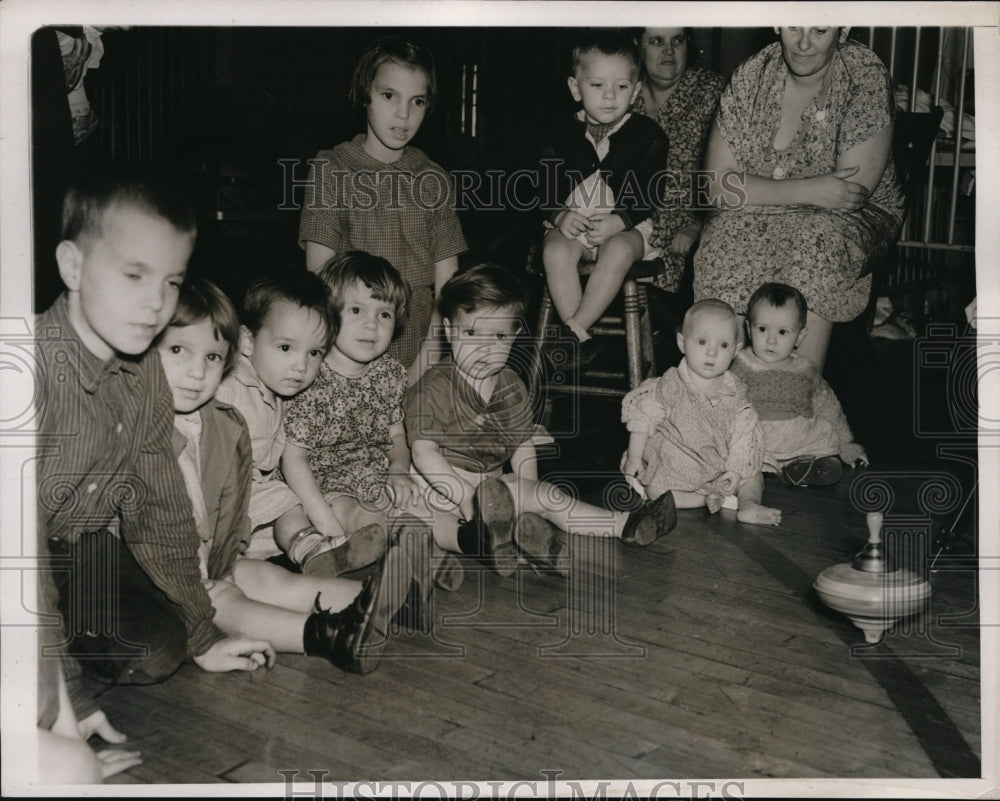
(749, 495)
(560, 257)
(270, 584)
(689, 500)
(237, 614)
(614, 258)
(564, 511)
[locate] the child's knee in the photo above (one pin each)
(558, 251)
(621, 250)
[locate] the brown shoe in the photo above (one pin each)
(542, 543)
(494, 508)
(353, 638)
(364, 547)
(652, 520)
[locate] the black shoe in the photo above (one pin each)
(565, 351)
(652, 520)
(352, 639)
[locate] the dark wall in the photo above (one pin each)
(219, 107)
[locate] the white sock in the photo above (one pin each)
(579, 330)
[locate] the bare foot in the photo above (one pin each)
(714, 502)
(761, 515)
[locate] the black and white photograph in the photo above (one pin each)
(499, 399)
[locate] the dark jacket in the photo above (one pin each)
(638, 152)
(225, 482)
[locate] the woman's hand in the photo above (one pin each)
(685, 239)
(834, 192)
(571, 224)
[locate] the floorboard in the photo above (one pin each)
(705, 654)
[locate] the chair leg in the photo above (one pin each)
(648, 367)
(633, 338)
(544, 322)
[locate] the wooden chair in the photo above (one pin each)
(913, 138)
(633, 326)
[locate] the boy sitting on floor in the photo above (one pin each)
(469, 414)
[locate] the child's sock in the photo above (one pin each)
(307, 543)
(578, 330)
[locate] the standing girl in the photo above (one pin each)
(378, 194)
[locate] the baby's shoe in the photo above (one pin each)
(544, 545)
(494, 516)
(812, 471)
(363, 547)
(353, 638)
(652, 520)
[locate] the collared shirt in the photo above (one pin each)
(633, 154)
(473, 434)
(263, 411)
(105, 455)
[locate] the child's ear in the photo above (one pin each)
(246, 341)
(574, 88)
(843, 34)
(800, 337)
(69, 257)
(446, 324)
(680, 341)
(635, 92)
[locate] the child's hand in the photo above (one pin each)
(631, 466)
(571, 224)
(114, 761)
(630, 469)
(98, 723)
(403, 490)
(604, 226)
(236, 653)
(326, 522)
(728, 481)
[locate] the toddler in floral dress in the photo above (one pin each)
(346, 454)
(806, 435)
(693, 432)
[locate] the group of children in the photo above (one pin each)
(700, 433)
(231, 464)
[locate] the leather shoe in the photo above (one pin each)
(652, 520)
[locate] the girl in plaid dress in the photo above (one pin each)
(378, 194)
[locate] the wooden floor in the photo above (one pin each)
(705, 654)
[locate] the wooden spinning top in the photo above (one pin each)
(867, 591)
